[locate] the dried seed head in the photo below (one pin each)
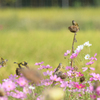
(82, 79)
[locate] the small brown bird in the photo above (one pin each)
(58, 68)
(74, 23)
(3, 62)
(61, 75)
(74, 28)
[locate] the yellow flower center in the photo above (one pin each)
(79, 86)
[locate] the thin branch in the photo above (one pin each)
(74, 40)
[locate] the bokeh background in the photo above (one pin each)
(37, 30)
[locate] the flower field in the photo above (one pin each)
(40, 59)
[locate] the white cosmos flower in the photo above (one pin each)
(80, 47)
(87, 56)
(87, 44)
(31, 87)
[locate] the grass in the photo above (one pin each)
(36, 35)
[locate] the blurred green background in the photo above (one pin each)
(41, 34)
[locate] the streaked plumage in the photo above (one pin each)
(74, 23)
(74, 27)
(21, 65)
(58, 68)
(3, 62)
(61, 75)
(24, 63)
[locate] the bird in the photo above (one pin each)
(19, 64)
(61, 75)
(24, 63)
(74, 27)
(74, 23)
(3, 62)
(58, 68)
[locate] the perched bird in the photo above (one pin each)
(74, 27)
(18, 71)
(20, 65)
(24, 63)
(58, 68)
(3, 62)
(61, 75)
(74, 23)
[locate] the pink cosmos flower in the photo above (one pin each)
(93, 96)
(95, 76)
(90, 63)
(79, 86)
(94, 57)
(48, 66)
(67, 52)
(38, 98)
(3, 98)
(0, 66)
(44, 67)
(69, 73)
(18, 94)
(22, 82)
(91, 79)
(91, 88)
(47, 83)
(55, 78)
(98, 90)
(85, 68)
(13, 77)
(64, 83)
(39, 63)
(48, 73)
(74, 55)
(9, 85)
(69, 68)
(79, 74)
(26, 90)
